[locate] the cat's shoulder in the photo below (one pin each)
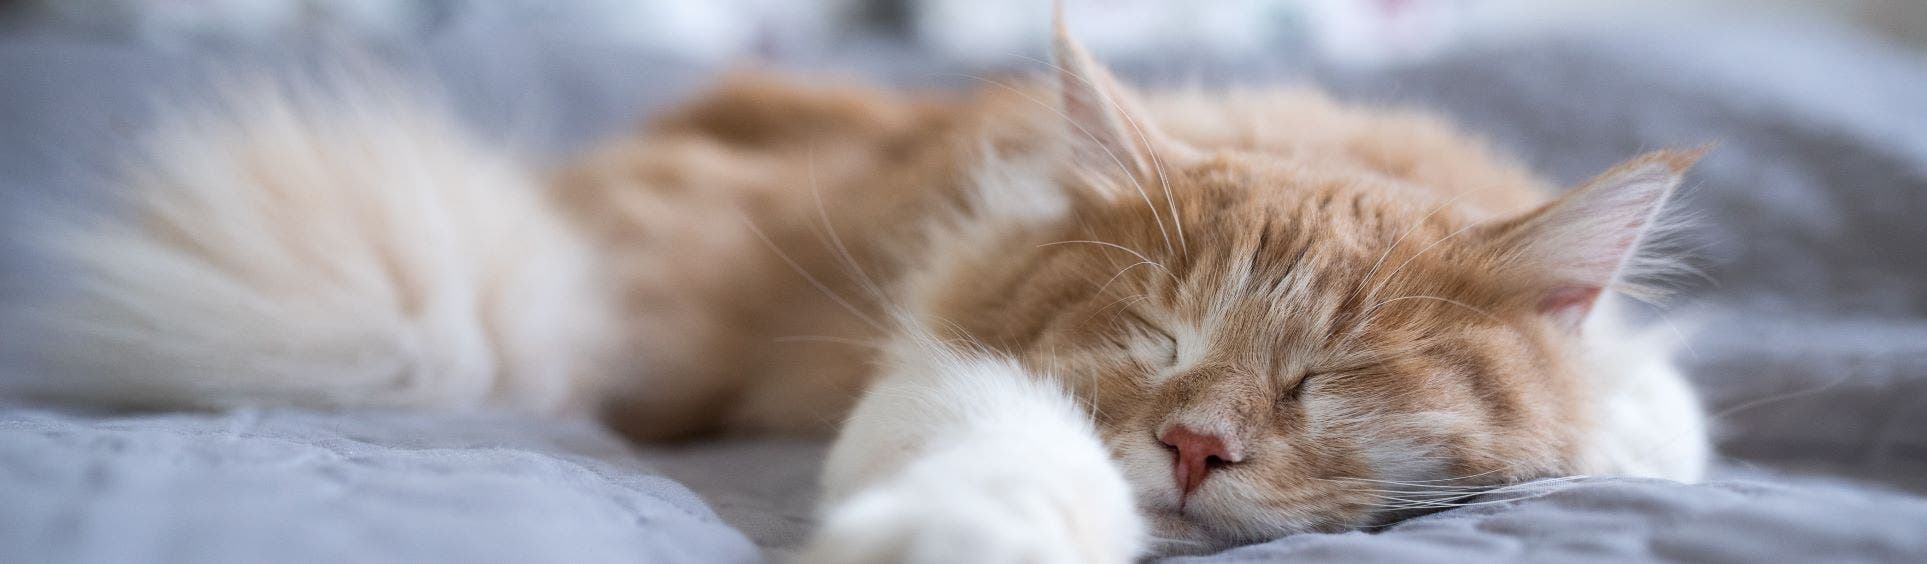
(774, 109)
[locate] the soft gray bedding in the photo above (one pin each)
(381, 487)
(1811, 342)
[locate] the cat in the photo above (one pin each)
(1051, 321)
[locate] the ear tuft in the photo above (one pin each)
(1104, 125)
(1586, 240)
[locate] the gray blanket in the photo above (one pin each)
(1811, 341)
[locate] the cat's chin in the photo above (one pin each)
(1174, 534)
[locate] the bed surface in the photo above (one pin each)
(1811, 343)
(297, 487)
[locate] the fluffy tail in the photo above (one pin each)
(358, 251)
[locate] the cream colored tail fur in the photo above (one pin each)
(360, 251)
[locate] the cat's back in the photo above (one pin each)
(752, 215)
(673, 208)
(1299, 123)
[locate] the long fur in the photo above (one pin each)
(1024, 291)
(280, 247)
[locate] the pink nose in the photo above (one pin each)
(1198, 454)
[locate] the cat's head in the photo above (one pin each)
(1272, 344)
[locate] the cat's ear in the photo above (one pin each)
(1104, 127)
(1577, 246)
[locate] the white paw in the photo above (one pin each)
(1008, 522)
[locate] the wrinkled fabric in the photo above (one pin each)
(1810, 341)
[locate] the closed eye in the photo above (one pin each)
(1297, 389)
(1164, 351)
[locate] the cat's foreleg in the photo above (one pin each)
(967, 458)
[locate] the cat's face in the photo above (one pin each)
(1272, 346)
(1263, 331)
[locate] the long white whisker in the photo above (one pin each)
(1159, 218)
(1408, 233)
(1157, 161)
(826, 339)
(808, 277)
(1452, 479)
(1417, 489)
(1426, 504)
(1140, 256)
(1107, 307)
(1359, 327)
(836, 241)
(1444, 500)
(1120, 274)
(1683, 341)
(1415, 256)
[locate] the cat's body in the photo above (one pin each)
(760, 153)
(1076, 321)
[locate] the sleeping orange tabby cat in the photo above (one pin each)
(1055, 321)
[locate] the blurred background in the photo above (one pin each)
(1363, 32)
(1807, 337)
(1811, 325)
(1812, 201)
